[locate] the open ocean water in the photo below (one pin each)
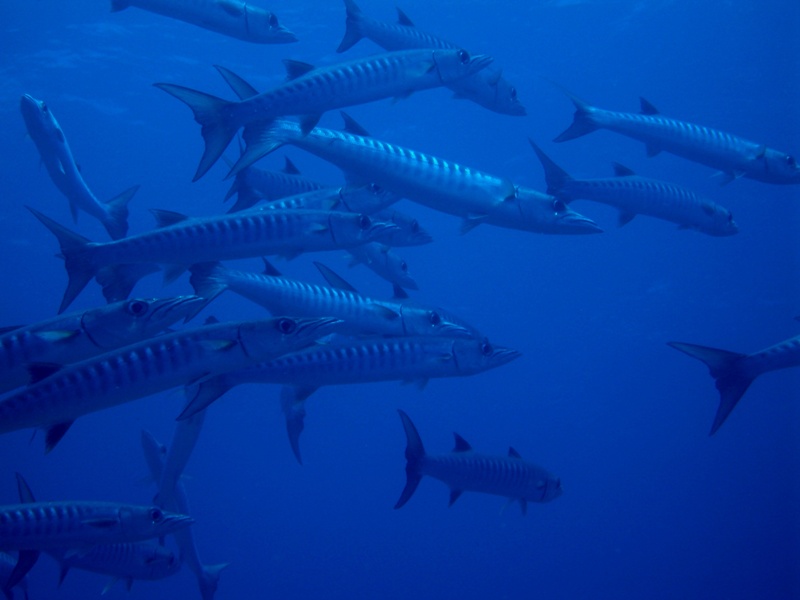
(652, 506)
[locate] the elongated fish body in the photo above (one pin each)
(486, 87)
(633, 195)
(409, 231)
(184, 241)
(476, 196)
(365, 199)
(312, 91)
(733, 156)
(733, 372)
(148, 367)
(125, 560)
(57, 157)
(78, 336)
(465, 470)
(233, 18)
(361, 314)
(253, 185)
(385, 263)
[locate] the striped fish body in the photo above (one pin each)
(78, 336)
(363, 199)
(486, 87)
(233, 18)
(385, 263)
(253, 185)
(67, 525)
(783, 355)
(124, 560)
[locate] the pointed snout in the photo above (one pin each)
(319, 327)
(479, 61)
(502, 356)
(381, 229)
(185, 307)
(174, 522)
(572, 222)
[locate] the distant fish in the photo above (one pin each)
(57, 158)
(487, 87)
(310, 91)
(734, 372)
(30, 527)
(385, 263)
(78, 336)
(633, 195)
(233, 18)
(464, 470)
(733, 156)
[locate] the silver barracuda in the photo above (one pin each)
(733, 372)
(465, 470)
(181, 241)
(633, 195)
(124, 561)
(361, 314)
(59, 396)
(166, 467)
(487, 87)
(78, 336)
(366, 199)
(313, 91)
(64, 172)
(233, 18)
(30, 527)
(385, 263)
(353, 361)
(733, 156)
(252, 185)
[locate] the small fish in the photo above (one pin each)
(311, 91)
(385, 263)
(487, 87)
(77, 336)
(633, 195)
(233, 18)
(465, 470)
(733, 372)
(57, 157)
(733, 156)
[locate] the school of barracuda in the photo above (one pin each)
(72, 364)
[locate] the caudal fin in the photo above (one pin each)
(208, 579)
(77, 258)
(210, 112)
(117, 222)
(724, 368)
(555, 176)
(582, 123)
(352, 32)
(264, 137)
(208, 279)
(415, 452)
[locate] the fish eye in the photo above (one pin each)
(434, 317)
(559, 206)
(486, 348)
(286, 325)
(513, 93)
(273, 20)
(403, 266)
(463, 56)
(156, 516)
(136, 308)
(364, 222)
(791, 161)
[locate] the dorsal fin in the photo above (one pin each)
(333, 279)
(42, 370)
(239, 86)
(398, 292)
(513, 453)
(352, 126)
(269, 268)
(289, 167)
(54, 435)
(622, 170)
(402, 19)
(461, 444)
(296, 68)
(24, 490)
(647, 107)
(212, 320)
(165, 218)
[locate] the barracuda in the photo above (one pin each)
(633, 195)
(57, 157)
(312, 91)
(465, 470)
(30, 527)
(346, 362)
(229, 17)
(252, 185)
(385, 263)
(733, 372)
(58, 397)
(734, 156)
(487, 87)
(78, 336)
(365, 199)
(181, 241)
(360, 314)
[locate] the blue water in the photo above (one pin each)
(652, 506)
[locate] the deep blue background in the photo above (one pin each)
(652, 507)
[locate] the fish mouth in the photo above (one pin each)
(573, 222)
(380, 230)
(478, 62)
(29, 106)
(450, 329)
(419, 238)
(173, 522)
(408, 282)
(516, 110)
(502, 355)
(319, 326)
(186, 307)
(282, 35)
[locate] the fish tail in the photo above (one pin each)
(208, 279)
(582, 123)
(118, 281)
(555, 176)
(77, 258)
(203, 393)
(352, 32)
(263, 137)
(415, 453)
(246, 195)
(117, 222)
(211, 113)
(731, 382)
(208, 579)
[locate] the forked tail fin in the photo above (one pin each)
(555, 177)
(117, 222)
(582, 121)
(415, 452)
(352, 31)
